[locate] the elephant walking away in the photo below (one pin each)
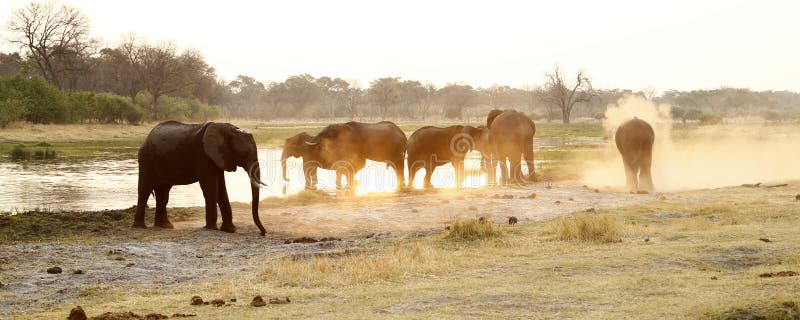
(634, 140)
(511, 140)
(430, 147)
(345, 148)
(177, 154)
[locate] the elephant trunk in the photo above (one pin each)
(255, 181)
(283, 168)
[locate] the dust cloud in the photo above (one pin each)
(698, 157)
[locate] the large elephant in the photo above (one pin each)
(430, 147)
(511, 139)
(634, 140)
(345, 148)
(177, 154)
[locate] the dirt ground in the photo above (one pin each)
(138, 260)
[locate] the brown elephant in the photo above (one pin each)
(634, 140)
(512, 140)
(345, 148)
(176, 154)
(430, 147)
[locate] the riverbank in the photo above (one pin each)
(690, 254)
(91, 141)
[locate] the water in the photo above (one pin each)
(111, 184)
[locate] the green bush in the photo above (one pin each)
(19, 153)
(12, 109)
(45, 103)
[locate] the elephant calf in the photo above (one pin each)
(177, 154)
(634, 140)
(430, 147)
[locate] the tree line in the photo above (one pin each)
(155, 81)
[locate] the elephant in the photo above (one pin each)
(634, 139)
(345, 148)
(430, 147)
(175, 153)
(511, 139)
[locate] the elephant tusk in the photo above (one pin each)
(311, 143)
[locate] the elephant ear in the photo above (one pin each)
(492, 114)
(216, 147)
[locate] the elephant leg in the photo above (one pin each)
(503, 172)
(162, 198)
(645, 177)
(516, 172)
(413, 167)
(491, 172)
(630, 175)
(339, 174)
(428, 174)
(528, 154)
(144, 194)
(209, 185)
(400, 172)
(310, 174)
(224, 205)
(458, 167)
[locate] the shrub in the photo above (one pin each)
(588, 228)
(473, 229)
(46, 104)
(19, 153)
(710, 119)
(11, 110)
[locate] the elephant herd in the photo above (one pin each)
(177, 154)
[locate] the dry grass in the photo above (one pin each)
(352, 268)
(689, 269)
(473, 229)
(587, 228)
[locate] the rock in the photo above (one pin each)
(512, 220)
(258, 301)
(279, 301)
(531, 196)
(233, 299)
(218, 302)
(196, 301)
(571, 199)
(77, 313)
(557, 202)
(77, 271)
(797, 197)
(54, 270)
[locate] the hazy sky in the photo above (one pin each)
(622, 44)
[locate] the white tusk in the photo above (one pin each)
(311, 143)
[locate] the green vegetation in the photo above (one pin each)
(42, 152)
(473, 229)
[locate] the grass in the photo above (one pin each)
(473, 229)
(588, 228)
(703, 261)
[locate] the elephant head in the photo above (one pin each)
(298, 146)
(229, 147)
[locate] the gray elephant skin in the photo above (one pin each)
(634, 140)
(345, 148)
(178, 154)
(512, 140)
(430, 147)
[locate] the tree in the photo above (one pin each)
(565, 95)
(456, 98)
(301, 91)
(385, 93)
(56, 39)
(10, 64)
